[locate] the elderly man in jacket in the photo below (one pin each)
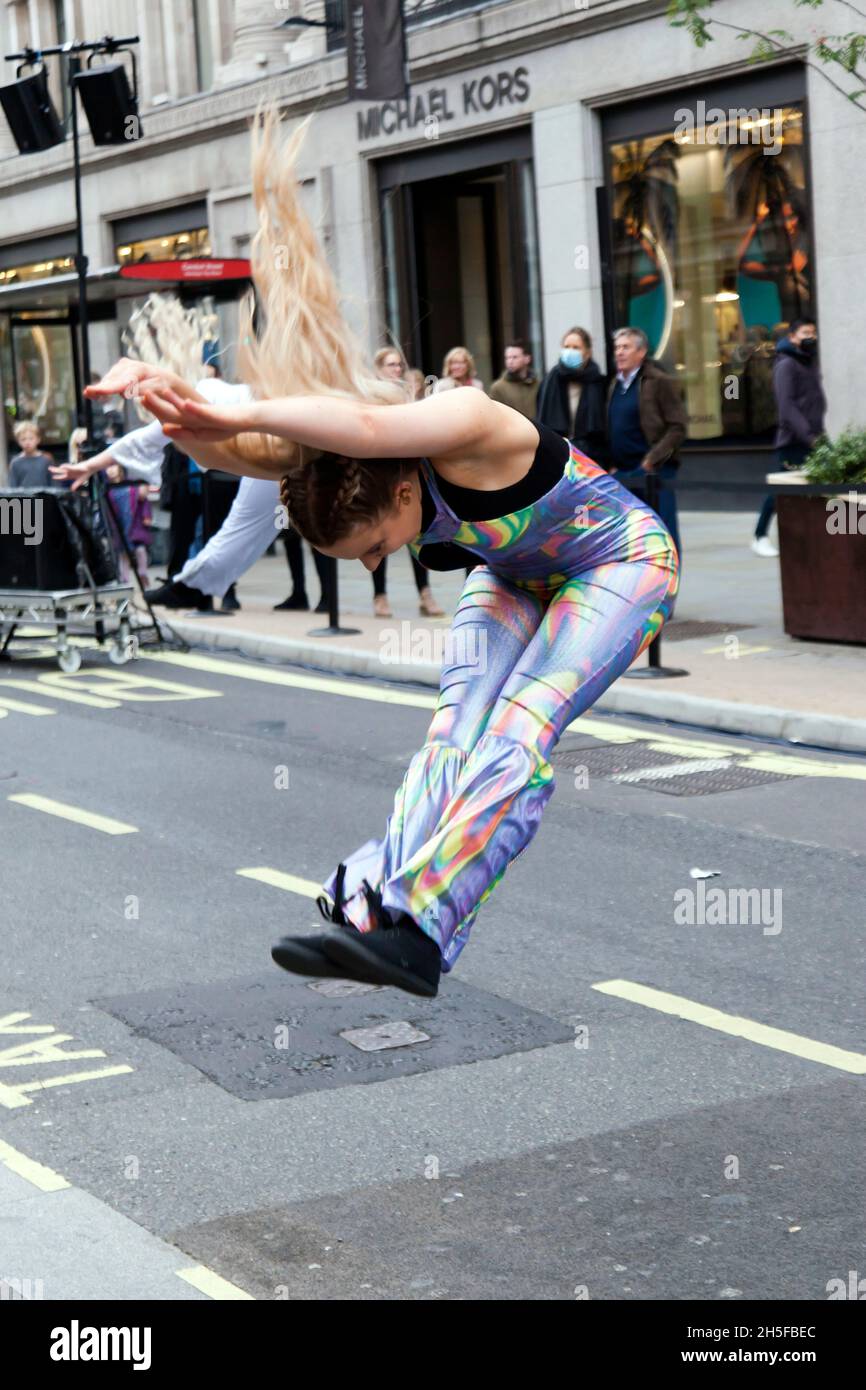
(646, 423)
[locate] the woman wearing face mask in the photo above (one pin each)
(571, 399)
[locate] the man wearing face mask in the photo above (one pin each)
(571, 399)
(801, 404)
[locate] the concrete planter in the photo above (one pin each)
(822, 545)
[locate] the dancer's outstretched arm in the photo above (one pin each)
(462, 423)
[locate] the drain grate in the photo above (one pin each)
(706, 781)
(639, 765)
(683, 630)
(612, 759)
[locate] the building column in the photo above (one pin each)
(258, 47)
(569, 166)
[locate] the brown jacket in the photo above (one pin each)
(520, 395)
(663, 417)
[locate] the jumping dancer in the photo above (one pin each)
(573, 580)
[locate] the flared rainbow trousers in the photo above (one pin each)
(522, 661)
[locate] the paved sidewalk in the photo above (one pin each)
(744, 673)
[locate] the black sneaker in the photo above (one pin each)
(322, 606)
(229, 602)
(306, 955)
(396, 953)
(174, 594)
(296, 602)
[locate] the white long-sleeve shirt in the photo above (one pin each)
(140, 452)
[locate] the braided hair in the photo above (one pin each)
(327, 496)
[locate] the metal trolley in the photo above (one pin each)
(102, 611)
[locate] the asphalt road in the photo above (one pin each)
(171, 1102)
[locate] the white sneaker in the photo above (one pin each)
(762, 545)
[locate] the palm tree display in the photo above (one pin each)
(645, 220)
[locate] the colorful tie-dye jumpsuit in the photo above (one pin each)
(569, 591)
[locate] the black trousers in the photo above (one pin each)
(218, 491)
(380, 572)
(295, 556)
(187, 505)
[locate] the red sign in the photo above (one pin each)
(202, 269)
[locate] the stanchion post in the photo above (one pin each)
(333, 629)
(654, 669)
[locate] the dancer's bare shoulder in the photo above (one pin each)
(499, 453)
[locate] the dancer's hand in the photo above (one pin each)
(131, 379)
(189, 422)
(76, 473)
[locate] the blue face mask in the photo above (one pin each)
(571, 357)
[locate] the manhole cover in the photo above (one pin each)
(385, 1035)
(340, 989)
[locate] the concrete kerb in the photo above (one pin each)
(731, 716)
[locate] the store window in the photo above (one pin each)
(38, 373)
(36, 270)
(177, 246)
(711, 252)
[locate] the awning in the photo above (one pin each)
(103, 286)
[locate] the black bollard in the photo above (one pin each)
(333, 629)
(654, 669)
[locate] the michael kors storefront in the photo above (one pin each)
(508, 207)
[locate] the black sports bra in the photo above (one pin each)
(473, 504)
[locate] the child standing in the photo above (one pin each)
(29, 469)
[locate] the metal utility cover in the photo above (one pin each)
(384, 1036)
(266, 1037)
(725, 779)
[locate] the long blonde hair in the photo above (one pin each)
(164, 333)
(301, 343)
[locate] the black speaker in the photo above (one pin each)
(45, 534)
(110, 107)
(30, 113)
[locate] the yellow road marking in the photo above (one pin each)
(359, 691)
(36, 1173)
(764, 760)
(212, 1284)
(74, 813)
(57, 692)
(125, 685)
(22, 707)
(741, 649)
(805, 767)
(605, 730)
(290, 882)
(660, 743)
(71, 1079)
(808, 1048)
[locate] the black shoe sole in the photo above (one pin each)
(301, 959)
(354, 955)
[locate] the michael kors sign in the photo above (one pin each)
(424, 113)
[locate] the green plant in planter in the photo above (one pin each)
(842, 460)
